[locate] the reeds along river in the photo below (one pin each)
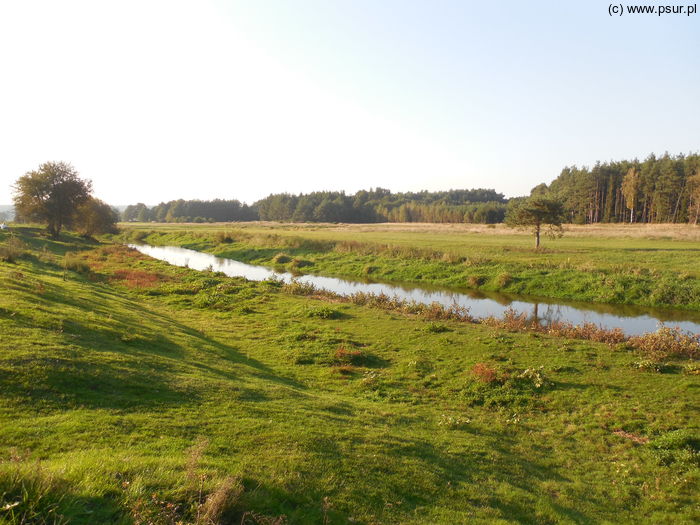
(633, 320)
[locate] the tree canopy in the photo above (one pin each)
(534, 213)
(55, 195)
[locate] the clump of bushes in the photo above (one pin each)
(493, 387)
(298, 288)
(515, 322)
(666, 343)
(649, 365)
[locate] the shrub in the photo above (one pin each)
(71, 261)
(281, 258)
(300, 263)
(667, 342)
(436, 328)
(692, 369)
(12, 250)
(138, 235)
(503, 279)
(651, 366)
(475, 281)
(679, 447)
(345, 356)
(369, 269)
(324, 312)
(223, 237)
(298, 288)
(484, 373)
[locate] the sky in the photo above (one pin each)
(158, 100)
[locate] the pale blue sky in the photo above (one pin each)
(156, 100)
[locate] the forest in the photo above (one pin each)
(375, 205)
(662, 189)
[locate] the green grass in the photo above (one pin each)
(133, 391)
(646, 271)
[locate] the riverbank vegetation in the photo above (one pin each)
(137, 392)
(626, 264)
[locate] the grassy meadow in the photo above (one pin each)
(648, 265)
(135, 392)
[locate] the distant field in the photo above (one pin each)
(134, 392)
(651, 265)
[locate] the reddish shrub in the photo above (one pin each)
(484, 373)
(344, 356)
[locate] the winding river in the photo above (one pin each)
(633, 320)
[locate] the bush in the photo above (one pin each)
(300, 263)
(71, 261)
(679, 447)
(436, 328)
(138, 235)
(223, 237)
(503, 280)
(484, 373)
(344, 356)
(281, 258)
(667, 342)
(298, 288)
(475, 281)
(12, 250)
(324, 312)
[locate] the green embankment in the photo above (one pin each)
(646, 272)
(136, 392)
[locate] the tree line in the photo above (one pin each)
(217, 210)
(365, 206)
(656, 190)
(663, 189)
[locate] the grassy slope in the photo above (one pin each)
(661, 272)
(107, 382)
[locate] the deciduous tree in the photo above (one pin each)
(51, 195)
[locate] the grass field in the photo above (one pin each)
(649, 265)
(137, 392)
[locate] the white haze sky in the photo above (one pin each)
(157, 100)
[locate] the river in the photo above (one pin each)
(633, 320)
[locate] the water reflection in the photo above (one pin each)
(632, 320)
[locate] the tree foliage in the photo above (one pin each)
(535, 213)
(95, 216)
(656, 190)
(51, 195)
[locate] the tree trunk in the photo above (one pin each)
(537, 236)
